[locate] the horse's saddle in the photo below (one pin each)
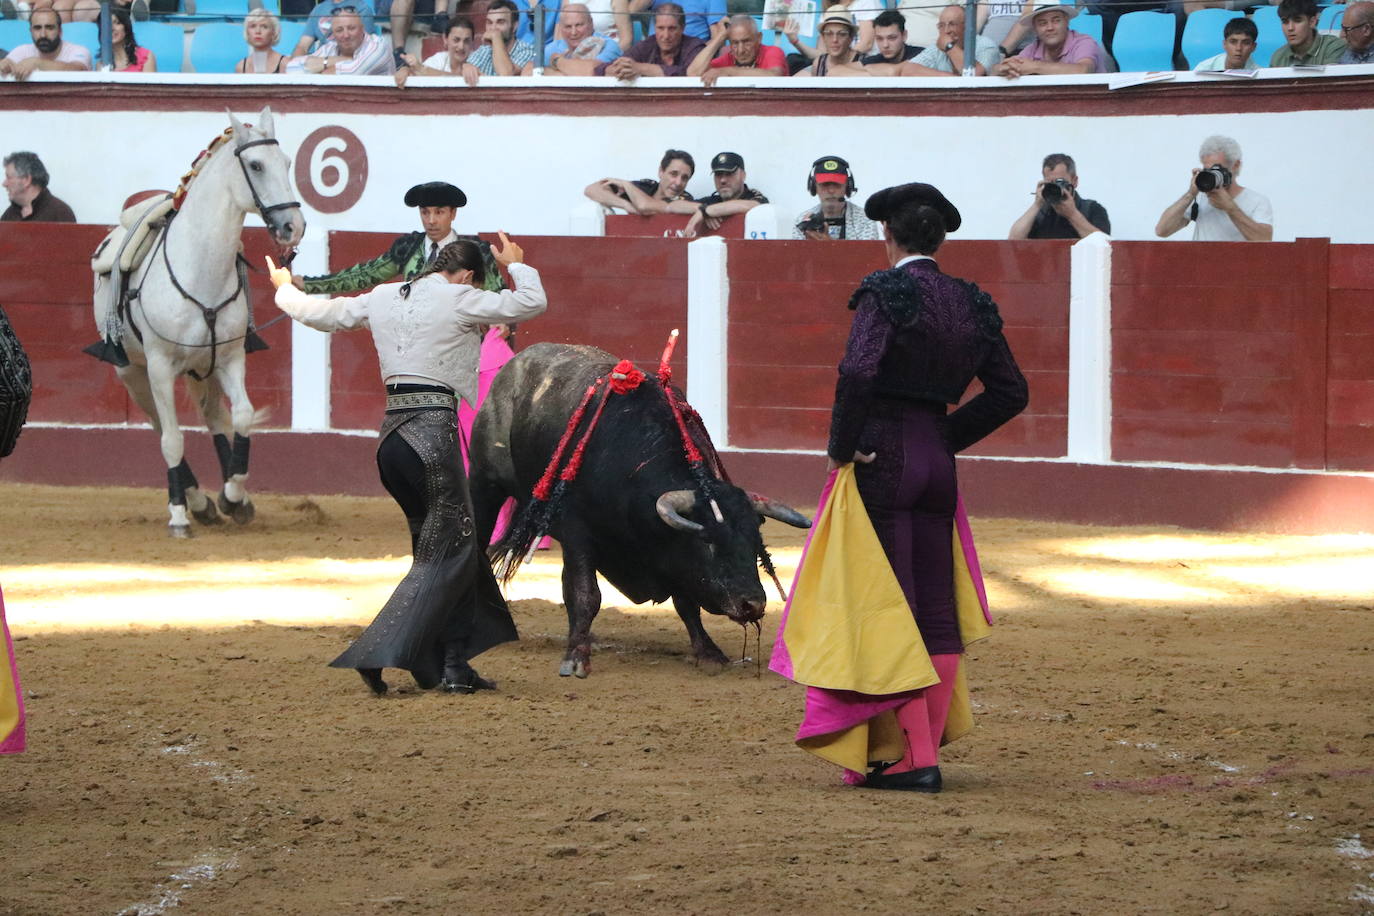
(129, 243)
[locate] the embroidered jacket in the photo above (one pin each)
(405, 258)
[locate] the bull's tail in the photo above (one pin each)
(516, 545)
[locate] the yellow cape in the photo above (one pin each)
(849, 627)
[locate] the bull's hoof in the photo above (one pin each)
(207, 514)
(242, 513)
(179, 531)
(574, 667)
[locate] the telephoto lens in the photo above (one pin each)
(1054, 191)
(1213, 177)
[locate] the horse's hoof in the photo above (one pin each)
(207, 515)
(372, 677)
(179, 531)
(242, 513)
(566, 668)
(581, 668)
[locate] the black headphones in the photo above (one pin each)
(831, 165)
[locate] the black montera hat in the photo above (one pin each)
(727, 162)
(883, 204)
(436, 194)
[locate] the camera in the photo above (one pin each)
(1213, 177)
(1057, 190)
(813, 223)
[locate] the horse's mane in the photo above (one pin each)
(179, 195)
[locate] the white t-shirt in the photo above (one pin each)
(1213, 225)
(68, 53)
(438, 61)
(1218, 63)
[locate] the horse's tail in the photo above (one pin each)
(260, 417)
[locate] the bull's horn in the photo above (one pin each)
(672, 504)
(769, 509)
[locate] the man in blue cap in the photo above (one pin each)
(410, 253)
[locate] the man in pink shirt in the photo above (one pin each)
(1056, 48)
(748, 55)
(48, 51)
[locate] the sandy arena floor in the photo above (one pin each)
(1171, 722)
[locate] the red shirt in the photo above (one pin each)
(769, 56)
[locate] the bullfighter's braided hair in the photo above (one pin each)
(453, 257)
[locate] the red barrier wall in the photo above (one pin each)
(1243, 354)
(789, 320)
(667, 226)
(621, 294)
(1350, 359)
(46, 289)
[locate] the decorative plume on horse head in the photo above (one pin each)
(171, 300)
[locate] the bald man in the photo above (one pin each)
(1357, 28)
(747, 56)
(579, 48)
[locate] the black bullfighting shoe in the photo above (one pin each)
(923, 779)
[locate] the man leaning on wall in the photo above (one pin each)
(1216, 204)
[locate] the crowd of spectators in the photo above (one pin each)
(697, 38)
(1215, 203)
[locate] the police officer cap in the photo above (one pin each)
(727, 162)
(435, 194)
(883, 204)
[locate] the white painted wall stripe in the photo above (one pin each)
(1090, 350)
(708, 319)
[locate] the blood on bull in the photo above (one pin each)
(646, 504)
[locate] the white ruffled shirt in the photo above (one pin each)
(433, 334)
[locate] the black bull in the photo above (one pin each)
(633, 512)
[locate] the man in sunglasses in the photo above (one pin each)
(1357, 28)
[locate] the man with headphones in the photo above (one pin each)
(835, 217)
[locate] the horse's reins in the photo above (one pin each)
(208, 313)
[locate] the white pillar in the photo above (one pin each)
(708, 314)
(310, 371)
(587, 218)
(1090, 350)
(764, 222)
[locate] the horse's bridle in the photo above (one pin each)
(211, 313)
(243, 166)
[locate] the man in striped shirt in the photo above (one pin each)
(351, 50)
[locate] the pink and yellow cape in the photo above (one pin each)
(848, 634)
(11, 695)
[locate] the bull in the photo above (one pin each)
(635, 512)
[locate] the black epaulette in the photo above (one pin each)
(984, 310)
(897, 294)
(404, 248)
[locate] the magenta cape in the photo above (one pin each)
(859, 633)
(11, 695)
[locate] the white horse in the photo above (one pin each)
(188, 311)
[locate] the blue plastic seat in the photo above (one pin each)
(1330, 20)
(166, 40)
(1088, 24)
(217, 47)
(1202, 36)
(224, 9)
(83, 33)
(1144, 41)
(1270, 33)
(291, 33)
(13, 33)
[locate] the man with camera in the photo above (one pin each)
(1219, 208)
(834, 217)
(1057, 212)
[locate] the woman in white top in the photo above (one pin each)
(428, 334)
